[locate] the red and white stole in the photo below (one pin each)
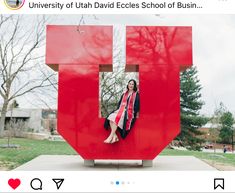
(129, 107)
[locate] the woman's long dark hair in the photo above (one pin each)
(135, 85)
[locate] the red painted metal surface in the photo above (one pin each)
(78, 53)
(159, 52)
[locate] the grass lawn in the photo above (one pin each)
(219, 158)
(11, 158)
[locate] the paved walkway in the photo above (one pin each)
(76, 163)
(217, 151)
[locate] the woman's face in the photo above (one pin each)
(131, 85)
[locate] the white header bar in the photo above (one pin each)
(118, 7)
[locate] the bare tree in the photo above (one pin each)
(11, 126)
(22, 68)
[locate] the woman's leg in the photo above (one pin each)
(113, 128)
(112, 136)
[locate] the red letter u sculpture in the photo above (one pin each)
(158, 53)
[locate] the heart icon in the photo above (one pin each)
(14, 183)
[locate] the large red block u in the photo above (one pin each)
(158, 53)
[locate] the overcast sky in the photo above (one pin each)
(213, 49)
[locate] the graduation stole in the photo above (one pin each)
(129, 107)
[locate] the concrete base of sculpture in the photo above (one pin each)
(89, 162)
(76, 163)
(147, 163)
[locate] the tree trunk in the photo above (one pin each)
(3, 117)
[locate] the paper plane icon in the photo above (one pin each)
(58, 182)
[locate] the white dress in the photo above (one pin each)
(113, 115)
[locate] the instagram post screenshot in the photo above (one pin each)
(117, 96)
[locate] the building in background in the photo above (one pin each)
(34, 120)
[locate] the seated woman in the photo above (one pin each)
(124, 117)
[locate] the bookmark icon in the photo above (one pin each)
(58, 182)
(218, 183)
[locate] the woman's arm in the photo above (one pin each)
(137, 104)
